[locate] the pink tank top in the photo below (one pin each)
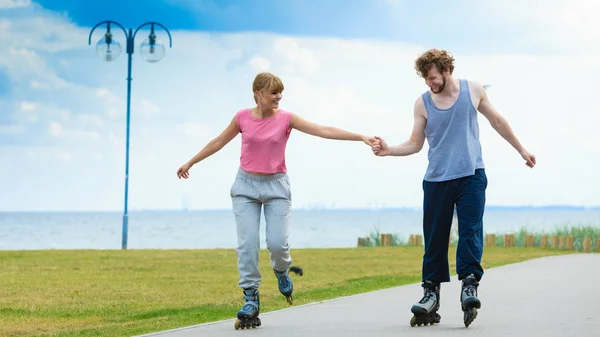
(264, 141)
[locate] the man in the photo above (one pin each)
(447, 116)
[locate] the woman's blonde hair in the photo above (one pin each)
(266, 82)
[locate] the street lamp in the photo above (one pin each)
(151, 50)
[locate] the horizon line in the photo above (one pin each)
(305, 208)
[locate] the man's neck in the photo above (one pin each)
(452, 87)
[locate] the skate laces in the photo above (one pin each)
(428, 295)
(282, 279)
(470, 290)
(430, 288)
(470, 286)
(249, 306)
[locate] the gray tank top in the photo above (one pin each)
(453, 138)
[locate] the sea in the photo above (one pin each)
(208, 229)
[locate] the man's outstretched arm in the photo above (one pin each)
(501, 125)
(414, 143)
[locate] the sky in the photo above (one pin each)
(344, 64)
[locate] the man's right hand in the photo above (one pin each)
(183, 171)
(381, 148)
(529, 158)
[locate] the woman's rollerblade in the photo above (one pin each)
(425, 311)
(286, 286)
(248, 315)
(468, 298)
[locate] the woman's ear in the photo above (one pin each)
(258, 97)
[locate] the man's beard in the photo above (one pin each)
(441, 87)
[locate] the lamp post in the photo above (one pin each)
(151, 50)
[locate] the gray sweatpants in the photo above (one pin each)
(248, 194)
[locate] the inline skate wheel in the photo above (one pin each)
(247, 324)
(470, 316)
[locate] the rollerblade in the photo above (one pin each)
(248, 315)
(286, 286)
(468, 298)
(425, 311)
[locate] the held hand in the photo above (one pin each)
(529, 158)
(183, 171)
(371, 141)
(380, 147)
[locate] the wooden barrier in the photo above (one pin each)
(385, 240)
(415, 240)
(490, 240)
(528, 240)
(587, 245)
(570, 241)
(364, 242)
(509, 240)
(598, 244)
(555, 241)
(544, 241)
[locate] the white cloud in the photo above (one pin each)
(259, 63)
(571, 25)
(7, 4)
(26, 112)
(47, 155)
(115, 141)
(11, 129)
(56, 130)
(106, 95)
(196, 132)
(90, 120)
(190, 96)
(111, 102)
(22, 63)
(38, 85)
(97, 157)
(147, 109)
(28, 106)
(296, 59)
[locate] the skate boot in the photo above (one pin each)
(248, 315)
(286, 286)
(425, 311)
(468, 299)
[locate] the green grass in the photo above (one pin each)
(124, 293)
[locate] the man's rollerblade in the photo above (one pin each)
(286, 286)
(468, 298)
(248, 315)
(425, 311)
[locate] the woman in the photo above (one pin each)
(262, 181)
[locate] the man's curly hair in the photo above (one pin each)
(434, 57)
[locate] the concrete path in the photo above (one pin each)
(550, 296)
